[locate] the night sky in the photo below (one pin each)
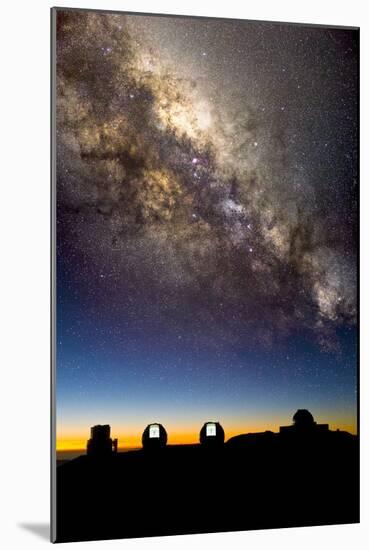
(206, 225)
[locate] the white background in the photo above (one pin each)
(24, 257)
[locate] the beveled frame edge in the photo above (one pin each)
(53, 523)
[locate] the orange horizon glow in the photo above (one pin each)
(190, 436)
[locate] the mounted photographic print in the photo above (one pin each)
(204, 271)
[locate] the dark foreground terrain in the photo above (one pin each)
(251, 482)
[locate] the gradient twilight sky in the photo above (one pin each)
(206, 225)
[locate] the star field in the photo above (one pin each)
(206, 220)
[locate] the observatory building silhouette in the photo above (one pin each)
(100, 444)
(303, 423)
(154, 437)
(211, 434)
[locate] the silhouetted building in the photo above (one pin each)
(211, 434)
(154, 437)
(303, 423)
(100, 444)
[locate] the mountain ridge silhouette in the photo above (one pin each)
(297, 477)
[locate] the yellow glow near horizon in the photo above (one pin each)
(129, 439)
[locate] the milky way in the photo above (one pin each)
(168, 190)
(206, 177)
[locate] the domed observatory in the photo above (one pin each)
(100, 444)
(212, 434)
(303, 420)
(303, 424)
(154, 437)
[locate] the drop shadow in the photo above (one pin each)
(42, 530)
